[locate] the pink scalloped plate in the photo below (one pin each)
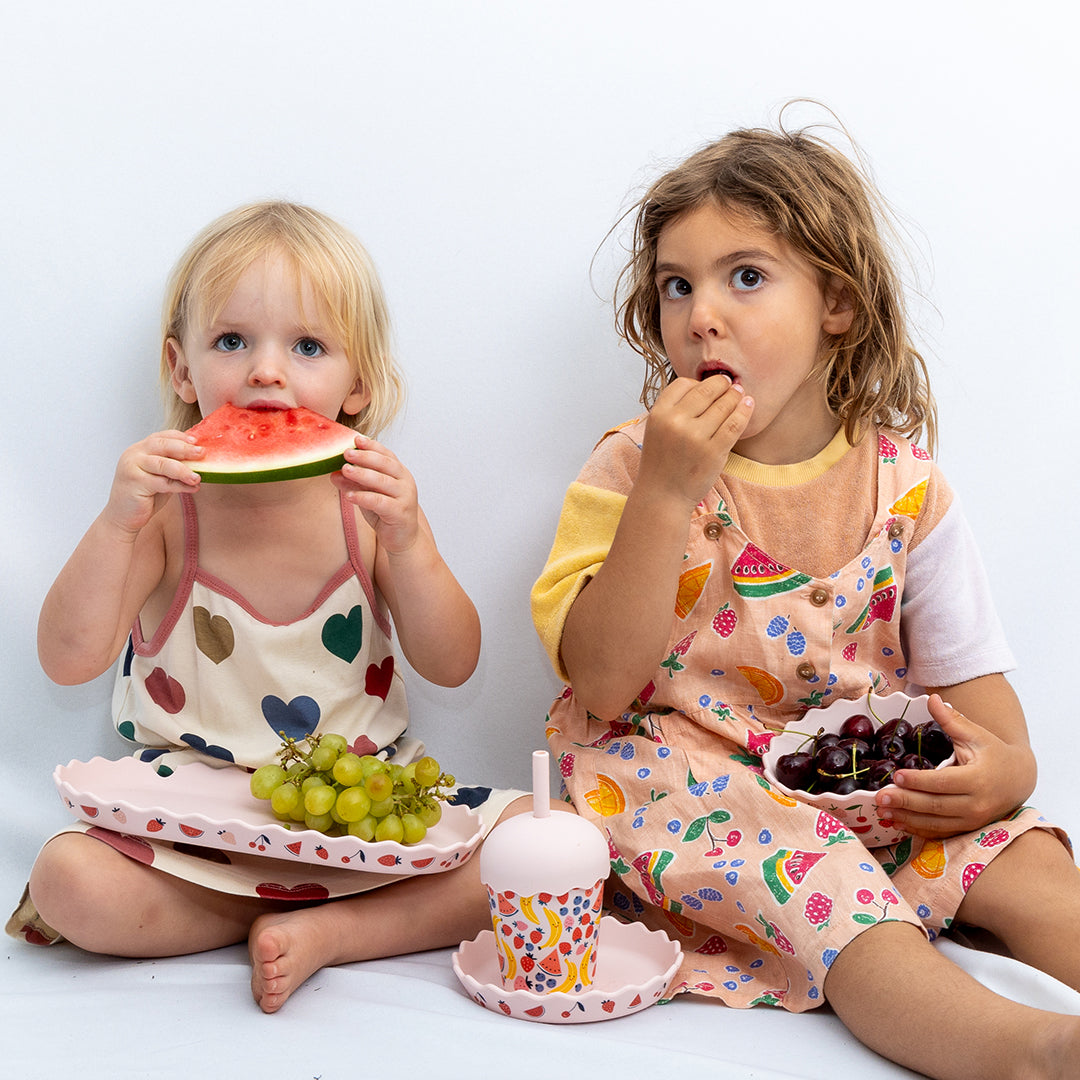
(210, 807)
(634, 968)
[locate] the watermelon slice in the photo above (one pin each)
(256, 446)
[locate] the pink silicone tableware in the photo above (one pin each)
(544, 875)
(634, 969)
(201, 805)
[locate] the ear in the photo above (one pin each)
(839, 307)
(359, 399)
(179, 375)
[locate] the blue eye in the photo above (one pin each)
(309, 347)
(229, 343)
(675, 287)
(746, 278)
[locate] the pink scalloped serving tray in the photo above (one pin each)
(210, 807)
(634, 968)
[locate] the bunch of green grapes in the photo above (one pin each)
(328, 788)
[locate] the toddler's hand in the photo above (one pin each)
(690, 432)
(963, 797)
(147, 474)
(376, 482)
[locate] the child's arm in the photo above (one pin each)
(995, 767)
(618, 627)
(89, 611)
(435, 621)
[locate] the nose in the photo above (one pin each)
(268, 366)
(706, 318)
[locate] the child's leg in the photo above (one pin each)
(901, 997)
(1029, 897)
(105, 902)
(430, 911)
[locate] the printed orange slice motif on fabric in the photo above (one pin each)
(768, 686)
(691, 585)
(930, 862)
(607, 797)
(910, 503)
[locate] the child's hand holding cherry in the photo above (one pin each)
(987, 782)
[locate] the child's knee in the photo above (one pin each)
(66, 879)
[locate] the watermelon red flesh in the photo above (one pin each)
(256, 446)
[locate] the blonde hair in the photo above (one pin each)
(324, 256)
(822, 206)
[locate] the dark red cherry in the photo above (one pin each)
(930, 740)
(846, 785)
(898, 726)
(914, 761)
(832, 761)
(859, 726)
(859, 748)
(893, 747)
(795, 770)
(879, 773)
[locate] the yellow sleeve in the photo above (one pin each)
(587, 524)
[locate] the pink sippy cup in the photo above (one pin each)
(544, 874)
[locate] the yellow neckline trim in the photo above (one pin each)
(800, 472)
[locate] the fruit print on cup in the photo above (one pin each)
(547, 943)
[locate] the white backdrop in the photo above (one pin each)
(482, 151)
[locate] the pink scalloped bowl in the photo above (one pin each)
(856, 810)
(634, 968)
(210, 807)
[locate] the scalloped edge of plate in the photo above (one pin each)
(613, 994)
(101, 802)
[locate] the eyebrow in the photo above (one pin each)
(733, 258)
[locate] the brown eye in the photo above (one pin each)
(746, 278)
(675, 287)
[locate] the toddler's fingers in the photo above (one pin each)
(172, 444)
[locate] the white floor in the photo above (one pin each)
(66, 1013)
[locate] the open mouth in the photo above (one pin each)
(710, 372)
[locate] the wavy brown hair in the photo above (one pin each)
(823, 206)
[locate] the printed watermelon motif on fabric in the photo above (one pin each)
(756, 575)
(882, 604)
(785, 870)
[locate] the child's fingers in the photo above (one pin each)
(373, 456)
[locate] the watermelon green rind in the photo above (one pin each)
(788, 583)
(266, 476)
(250, 446)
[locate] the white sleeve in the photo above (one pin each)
(948, 625)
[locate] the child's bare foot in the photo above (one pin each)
(287, 948)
